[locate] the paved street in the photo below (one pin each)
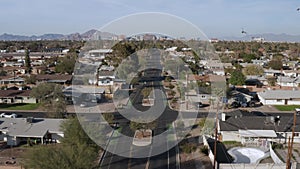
(155, 160)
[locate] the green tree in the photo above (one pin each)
(188, 147)
(109, 117)
(28, 61)
(30, 79)
(237, 78)
(77, 150)
(276, 64)
(248, 57)
(66, 64)
(143, 125)
(3, 73)
(51, 97)
(271, 81)
(253, 70)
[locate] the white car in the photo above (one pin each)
(8, 115)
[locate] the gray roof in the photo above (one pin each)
(236, 121)
(285, 79)
(38, 128)
(106, 73)
(280, 94)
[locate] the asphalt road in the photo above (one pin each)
(164, 160)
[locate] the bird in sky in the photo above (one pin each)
(243, 31)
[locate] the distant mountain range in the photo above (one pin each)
(105, 35)
(267, 37)
(74, 36)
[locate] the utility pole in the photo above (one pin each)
(290, 143)
(187, 92)
(288, 155)
(216, 137)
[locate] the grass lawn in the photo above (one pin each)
(20, 106)
(286, 107)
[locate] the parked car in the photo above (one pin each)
(297, 111)
(8, 115)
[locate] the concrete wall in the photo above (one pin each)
(278, 102)
(210, 153)
(274, 102)
(293, 102)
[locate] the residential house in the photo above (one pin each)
(272, 72)
(63, 79)
(15, 131)
(100, 53)
(260, 79)
(107, 68)
(16, 96)
(279, 97)
(81, 94)
(291, 64)
(8, 80)
(258, 39)
(257, 128)
(14, 70)
(106, 78)
(288, 81)
(291, 73)
(198, 97)
(12, 64)
(213, 40)
(216, 67)
(259, 62)
(245, 64)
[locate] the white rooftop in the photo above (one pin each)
(101, 51)
(257, 133)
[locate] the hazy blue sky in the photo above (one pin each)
(214, 17)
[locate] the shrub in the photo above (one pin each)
(277, 146)
(188, 147)
(171, 86)
(204, 150)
